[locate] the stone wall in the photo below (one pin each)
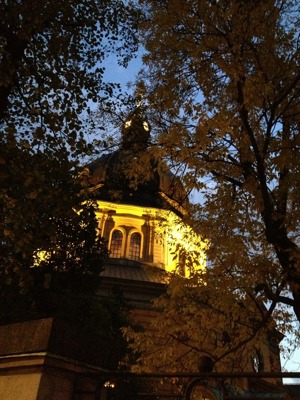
(48, 359)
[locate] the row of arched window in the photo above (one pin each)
(120, 248)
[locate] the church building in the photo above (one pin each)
(142, 209)
(141, 205)
(142, 212)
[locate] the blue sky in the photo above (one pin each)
(118, 74)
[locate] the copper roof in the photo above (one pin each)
(134, 271)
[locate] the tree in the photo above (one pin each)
(51, 59)
(51, 71)
(223, 85)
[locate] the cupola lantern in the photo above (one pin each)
(135, 131)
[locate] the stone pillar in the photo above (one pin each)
(147, 254)
(109, 224)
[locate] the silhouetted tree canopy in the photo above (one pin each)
(51, 75)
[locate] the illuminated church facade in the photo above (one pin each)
(141, 206)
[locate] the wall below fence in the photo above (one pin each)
(49, 360)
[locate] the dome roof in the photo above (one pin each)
(132, 175)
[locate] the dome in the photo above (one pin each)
(132, 175)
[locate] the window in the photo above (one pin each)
(135, 246)
(257, 361)
(116, 244)
(124, 244)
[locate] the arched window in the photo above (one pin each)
(116, 244)
(135, 246)
(258, 361)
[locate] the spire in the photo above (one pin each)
(136, 129)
